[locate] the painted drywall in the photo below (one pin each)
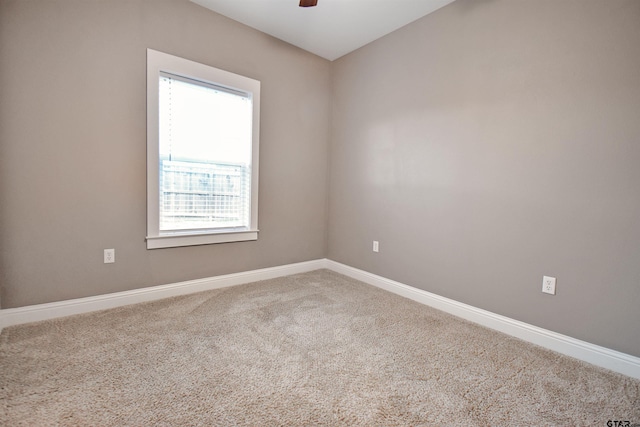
(484, 146)
(489, 144)
(73, 146)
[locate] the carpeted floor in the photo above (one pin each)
(310, 349)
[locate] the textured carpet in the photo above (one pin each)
(310, 349)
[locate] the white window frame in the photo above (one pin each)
(161, 62)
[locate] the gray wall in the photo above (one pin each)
(489, 144)
(484, 146)
(73, 144)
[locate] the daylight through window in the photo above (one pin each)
(205, 156)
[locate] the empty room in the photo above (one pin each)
(331, 212)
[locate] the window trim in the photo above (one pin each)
(158, 62)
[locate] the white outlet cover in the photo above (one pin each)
(549, 285)
(109, 256)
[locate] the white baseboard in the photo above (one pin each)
(600, 356)
(591, 353)
(35, 313)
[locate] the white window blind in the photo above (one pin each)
(205, 155)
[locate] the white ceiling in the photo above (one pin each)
(331, 29)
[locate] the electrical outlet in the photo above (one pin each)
(109, 256)
(376, 246)
(549, 285)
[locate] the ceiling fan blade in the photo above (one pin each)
(308, 3)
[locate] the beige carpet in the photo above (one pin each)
(311, 349)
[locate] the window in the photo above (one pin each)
(202, 153)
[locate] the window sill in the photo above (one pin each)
(178, 240)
